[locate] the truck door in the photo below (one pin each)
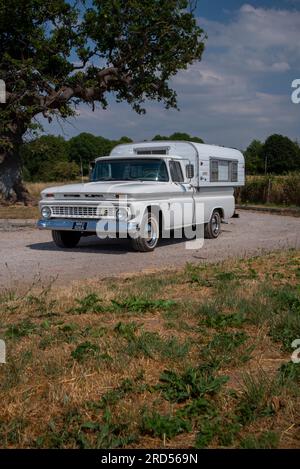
(182, 206)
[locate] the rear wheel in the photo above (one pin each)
(66, 239)
(149, 237)
(213, 227)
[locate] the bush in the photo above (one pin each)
(277, 190)
(60, 171)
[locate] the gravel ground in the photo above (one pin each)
(26, 253)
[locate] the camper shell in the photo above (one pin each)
(213, 165)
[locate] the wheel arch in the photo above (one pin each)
(218, 209)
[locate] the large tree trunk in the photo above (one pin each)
(12, 188)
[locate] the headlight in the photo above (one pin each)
(121, 214)
(46, 212)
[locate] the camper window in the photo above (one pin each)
(223, 171)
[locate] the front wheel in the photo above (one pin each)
(66, 239)
(212, 229)
(149, 236)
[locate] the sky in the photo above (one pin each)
(240, 91)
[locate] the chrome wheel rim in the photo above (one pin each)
(151, 233)
(215, 224)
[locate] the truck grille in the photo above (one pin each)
(66, 211)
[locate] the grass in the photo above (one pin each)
(194, 358)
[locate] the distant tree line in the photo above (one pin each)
(52, 158)
(277, 155)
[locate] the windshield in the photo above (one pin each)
(130, 170)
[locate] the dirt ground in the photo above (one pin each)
(27, 254)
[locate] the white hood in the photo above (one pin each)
(110, 187)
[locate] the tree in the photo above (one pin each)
(42, 155)
(254, 158)
(179, 136)
(55, 54)
(280, 155)
(85, 147)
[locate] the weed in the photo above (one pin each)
(168, 426)
(172, 348)
(223, 348)
(151, 344)
(85, 350)
(256, 399)
(126, 330)
(108, 433)
(11, 434)
(289, 377)
(285, 329)
(40, 304)
(221, 428)
(136, 304)
(22, 329)
(226, 276)
(192, 384)
(89, 304)
(217, 321)
(94, 332)
(266, 440)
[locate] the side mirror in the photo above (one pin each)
(91, 168)
(189, 170)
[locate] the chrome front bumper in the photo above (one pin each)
(105, 228)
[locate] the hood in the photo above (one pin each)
(109, 187)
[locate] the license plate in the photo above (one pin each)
(79, 225)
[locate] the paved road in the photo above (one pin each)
(26, 252)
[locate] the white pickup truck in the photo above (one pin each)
(144, 191)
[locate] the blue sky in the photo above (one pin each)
(241, 89)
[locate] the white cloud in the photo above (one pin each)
(229, 97)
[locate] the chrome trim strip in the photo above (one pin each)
(92, 226)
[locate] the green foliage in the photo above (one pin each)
(256, 399)
(136, 304)
(192, 384)
(56, 54)
(281, 154)
(151, 344)
(181, 136)
(266, 440)
(158, 425)
(89, 304)
(289, 373)
(47, 159)
(85, 350)
(127, 330)
(276, 190)
(254, 158)
(277, 155)
(285, 326)
(224, 348)
(108, 432)
(217, 321)
(85, 147)
(24, 328)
